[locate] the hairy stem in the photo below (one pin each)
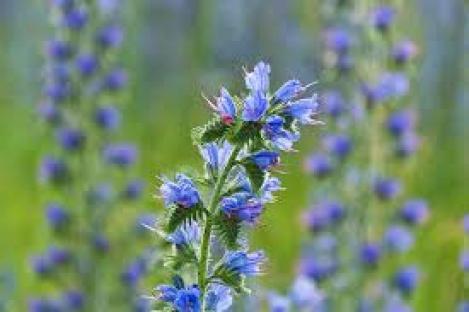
(205, 246)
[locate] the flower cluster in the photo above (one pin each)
(241, 150)
(357, 229)
(80, 110)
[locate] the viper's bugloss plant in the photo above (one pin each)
(208, 215)
(88, 173)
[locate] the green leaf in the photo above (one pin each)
(244, 132)
(179, 215)
(227, 230)
(182, 256)
(214, 130)
(229, 278)
(255, 174)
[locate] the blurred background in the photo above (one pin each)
(177, 48)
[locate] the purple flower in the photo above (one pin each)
(185, 235)
(406, 279)
(288, 91)
(370, 253)
(386, 188)
(87, 64)
(53, 170)
(242, 206)
(181, 192)
(70, 139)
(57, 91)
(58, 49)
(133, 272)
(404, 51)
(464, 261)
(107, 117)
(278, 303)
(319, 164)
(401, 122)
(75, 19)
(58, 255)
(398, 239)
(100, 243)
(382, 17)
(49, 112)
(43, 305)
(265, 159)
(41, 265)
(187, 300)
(338, 144)
(110, 36)
(122, 154)
(303, 110)
(318, 269)
(414, 211)
(274, 131)
(244, 263)
(115, 80)
(407, 144)
(143, 221)
(305, 295)
(218, 298)
(323, 215)
(333, 103)
(73, 300)
(255, 106)
(167, 293)
(226, 107)
(216, 156)
(57, 216)
(133, 189)
(258, 80)
(338, 40)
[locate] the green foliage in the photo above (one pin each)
(182, 256)
(244, 132)
(230, 279)
(179, 216)
(255, 174)
(214, 130)
(227, 230)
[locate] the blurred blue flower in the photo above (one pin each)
(370, 253)
(406, 279)
(414, 211)
(244, 263)
(49, 112)
(181, 192)
(398, 239)
(75, 19)
(338, 40)
(382, 17)
(101, 243)
(115, 80)
(401, 122)
(466, 223)
(41, 265)
(58, 255)
(110, 36)
(107, 117)
(319, 164)
(318, 268)
(305, 295)
(121, 154)
(404, 51)
(338, 144)
(70, 139)
(386, 188)
(87, 64)
(53, 170)
(57, 91)
(463, 306)
(218, 298)
(464, 261)
(407, 144)
(278, 303)
(57, 49)
(333, 103)
(133, 189)
(73, 300)
(57, 216)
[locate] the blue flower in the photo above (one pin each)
(265, 160)
(100, 194)
(75, 19)
(258, 80)
(386, 188)
(100, 243)
(57, 216)
(122, 154)
(226, 107)
(242, 206)
(216, 156)
(305, 295)
(382, 17)
(318, 268)
(463, 306)
(53, 170)
(115, 80)
(133, 272)
(333, 103)
(288, 91)
(187, 300)
(407, 144)
(41, 265)
(319, 164)
(370, 253)
(187, 234)
(401, 122)
(255, 106)
(166, 293)
(49, 112)
(270, 185)
(303, 110)
(107, 117)
(87, 64)
(133, 189)
(58, 256)
(404, 51)
(43, 305)
(278, 303)
(57, 49)
(464, 261)
(338, 40)
(398, 239)
(338, 144)
(273, 131)
(70, 139)
(110, 36)
(406, 279)
(218, 298)
(57, 91)
(414, 211)
(58, 72)
(182, 192)
(73, 300)
(243, 263)
(323, 215)
(393, 85)
(143, 221)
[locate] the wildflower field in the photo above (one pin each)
(201, 155)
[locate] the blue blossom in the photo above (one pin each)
(107, 117)
(278, 303)
(407, 144)
(49, 112)
(274, 131)
(318, 268)
(64, 5)
(53, 170)
(386, 188)
(41, 265)
(100, 243)
(57, 216)
(463, 306)
(99, 194)
(393, 84)
(396, 304)
(110, 36)
(464, 261)
(187, 300)
(134, 272)
(265, 159)
(271, 185)
(258, 80)
(398, 239)
(338, 144)
(255, 106)
(70, 139)
(218, 298)
(115, 80)
(406, 279)
(370, 253)
(226, 107)
(143, 221)
(187, 234)
(73, 300)
(75, 19)
(43, 305)
(87, 64)
(288, 91)
(133, 189)
(319, 164)
(338, 40)
(57, 49)
(404, 51)
(244, 263)
(303, 110)
(382, 17)
(57, 91)
(333, 103)
(122, 154)
(216, 155)
(401, 122)
(58, 72)
(414, 211)
(58, 255)
(181, 192)
(305, 295)
(242, 206)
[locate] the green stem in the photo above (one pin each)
(205, 246)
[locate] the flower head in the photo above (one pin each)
(115, 80)
(398, 239)
(464, 261)
(278, 303)
(53, 170)
(255, 106)
(75, 19)
(319, 164)
(218, 298)
(305, 295)
(406, 279)
(181, 192)
(242, 206)
(288, 91)
(265, 159)
(49, 112)
(414, 211)
(110, 36)
(401, 122)
(333, 103)
(338, 144)
(185, 235)
(226, 107)
(258, 80)
(133, 189)
(386, 188)
(382, 17)
(243, 263)
(404, 51)
(407, 144)
(338, 40)
(122, 154)
(275, 132)
(71, 139)
(303, 110)
(57, 49)
(370, 253)
(87, 64)
(107, 117)
(73, 300)
(57, 216)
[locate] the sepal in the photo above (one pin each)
(181, 216)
